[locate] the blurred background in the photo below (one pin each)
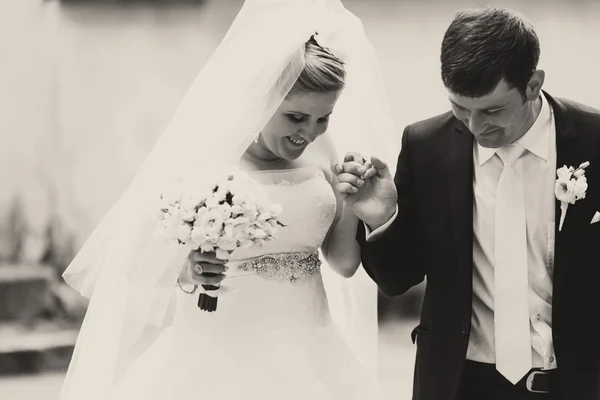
(86, 87)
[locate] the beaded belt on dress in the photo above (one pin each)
(284, 266)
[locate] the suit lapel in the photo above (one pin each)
(460, 168)
(566, 154)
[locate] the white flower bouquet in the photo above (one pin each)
(234, 213)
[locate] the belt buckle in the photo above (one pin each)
(530, 380)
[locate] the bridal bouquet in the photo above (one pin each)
(233, 213)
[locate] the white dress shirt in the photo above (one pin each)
(537, 167)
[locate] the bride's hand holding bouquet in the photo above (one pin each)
(215, 220)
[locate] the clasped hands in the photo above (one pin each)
(367, 187)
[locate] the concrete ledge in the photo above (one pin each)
(25, 291)
(46, 347)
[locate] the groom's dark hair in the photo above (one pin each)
(481, 47)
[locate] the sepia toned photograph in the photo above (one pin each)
(299, 199)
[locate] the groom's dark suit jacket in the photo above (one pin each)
(432, 238)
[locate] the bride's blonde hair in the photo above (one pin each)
(323, 71)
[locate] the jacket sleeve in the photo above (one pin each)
(392, 260)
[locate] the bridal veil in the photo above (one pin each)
(129, 274)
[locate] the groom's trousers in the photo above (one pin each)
(482, 382)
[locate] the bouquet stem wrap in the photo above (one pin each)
(207, 301)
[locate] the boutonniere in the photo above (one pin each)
(571, 185)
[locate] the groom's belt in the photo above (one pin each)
(540, 381)
(536, 380)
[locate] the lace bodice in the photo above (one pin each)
(308, 210)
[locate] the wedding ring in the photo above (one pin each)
(198, 269)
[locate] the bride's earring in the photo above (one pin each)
(256, 137)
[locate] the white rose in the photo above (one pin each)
(259, 233)
(207, 247)
(250, 232)
(235, 222)
(198, 217)
(239, 221)
(203, 234)
(246, 243)
(263, 217)
(563, 191)
(239, 231)
(227, 243)
(580, 187)
(210, 221)
(239, 198)
(564, 173)
(240, 235)
(225, 210)
(219, 196)
(250, 211)
(267, 228)
(212, 203)
(198, 236)
(228, 228)
(236, 209)
(213, 236)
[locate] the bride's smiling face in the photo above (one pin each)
(299, 120)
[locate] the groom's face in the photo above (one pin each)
(496, 119)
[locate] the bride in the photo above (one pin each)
(292, 81)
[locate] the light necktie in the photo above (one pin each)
(511, 283)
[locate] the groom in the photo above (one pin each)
(512, 299)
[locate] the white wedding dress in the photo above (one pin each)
(272, 336)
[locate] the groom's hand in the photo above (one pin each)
(368, 188)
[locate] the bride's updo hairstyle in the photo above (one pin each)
(323, 71)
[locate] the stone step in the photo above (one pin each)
(43, 348)
(25, 292)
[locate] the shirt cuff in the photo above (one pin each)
(372, 236)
